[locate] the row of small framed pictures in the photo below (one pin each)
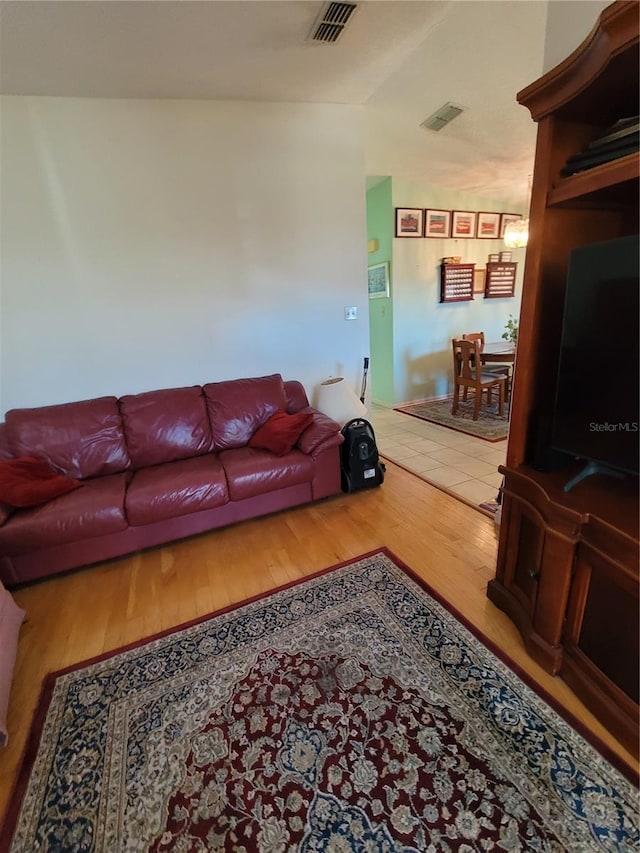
(460, 224)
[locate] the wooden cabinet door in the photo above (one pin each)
(522, 555)
(601, 659)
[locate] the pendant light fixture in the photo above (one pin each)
(516, 234)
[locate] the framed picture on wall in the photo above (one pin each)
(478, 280)
(463, 224)
(505, 219)
(409, 221)
(437, 223)
(379, 280)
(488, 226)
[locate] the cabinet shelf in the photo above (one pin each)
(598, 500)
(614, 183)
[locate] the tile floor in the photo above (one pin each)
(460, 464)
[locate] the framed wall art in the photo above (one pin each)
(409, 222)
(488, 226)
(463, 224)
(456, 282)
(437, 223)
(505, 219)
(500, 280)
(478, 280)
(379, 280)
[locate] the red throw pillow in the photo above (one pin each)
(27, 481)
(281, 432)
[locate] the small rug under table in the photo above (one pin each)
(490, 425)
(352, 711)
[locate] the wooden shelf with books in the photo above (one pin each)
(612, 182)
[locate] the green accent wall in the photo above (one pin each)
(380, 227)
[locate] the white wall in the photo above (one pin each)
(424, 326)
(569, 22)
(152, 244)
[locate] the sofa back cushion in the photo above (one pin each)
(164, 426)
(83, 439)
(238, 407)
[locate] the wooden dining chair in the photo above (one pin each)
(468, 373)
(503, 369)
(474, 336)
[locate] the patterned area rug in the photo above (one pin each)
(349, 712)
(489, 425)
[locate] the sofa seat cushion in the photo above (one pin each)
(162, 426)
(95, 509)
(176, 488)
(252, 472)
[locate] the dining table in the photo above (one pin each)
(499, 351)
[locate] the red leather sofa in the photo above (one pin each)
(158, 466)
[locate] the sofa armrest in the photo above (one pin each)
(5, 453)
(319, 435)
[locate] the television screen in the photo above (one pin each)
(596, 408)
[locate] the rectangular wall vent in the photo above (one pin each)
(442, 117)
(331, 22)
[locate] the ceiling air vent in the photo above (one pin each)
(441, 117)
(331, 22)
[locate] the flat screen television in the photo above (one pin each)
(596, 406)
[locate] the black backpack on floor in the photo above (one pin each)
(361, 466)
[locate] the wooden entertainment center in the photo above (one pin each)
(567, 571)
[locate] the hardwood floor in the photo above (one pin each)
(90, 611)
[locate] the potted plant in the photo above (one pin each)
(511, 330)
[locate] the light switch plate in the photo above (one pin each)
(350, 313)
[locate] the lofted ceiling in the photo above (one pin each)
(398, 59)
